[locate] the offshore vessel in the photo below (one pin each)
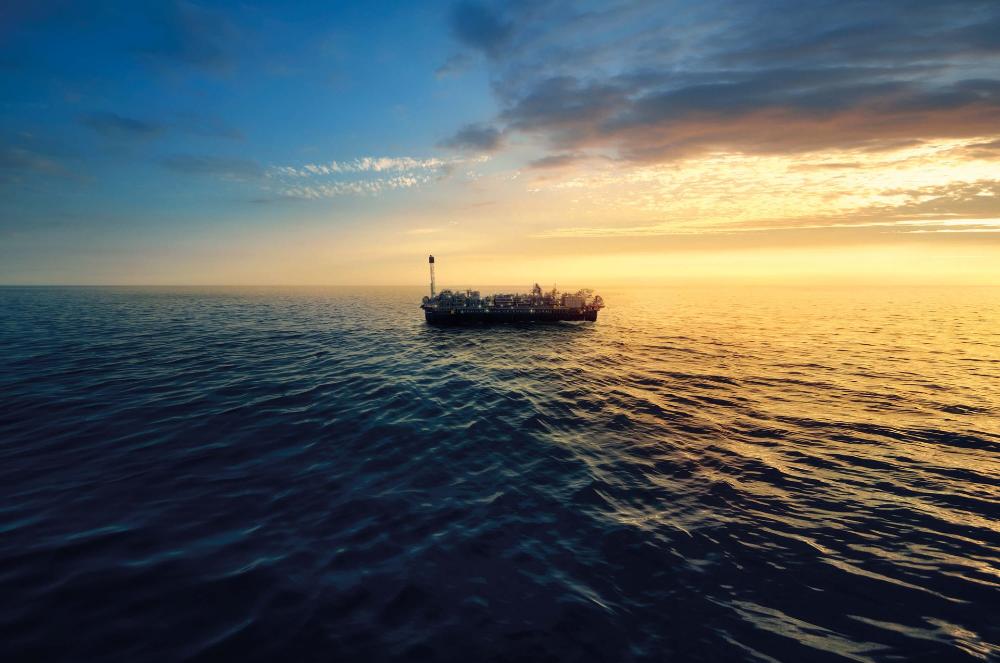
(452, 307)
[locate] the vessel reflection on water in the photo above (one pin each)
(468, 307)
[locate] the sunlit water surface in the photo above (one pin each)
(315, 474)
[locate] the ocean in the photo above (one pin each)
(300, 474)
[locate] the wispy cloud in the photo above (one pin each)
(675, 229)
(454, 65)
(557, 161)
(953, 226)
(362, 176)
(124, 128)
(368, 165)
(960, 207)
(355, 187)
(19, 159)
(206, 125)
(224, 167)
(112, 125)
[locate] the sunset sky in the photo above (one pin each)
(592, 143)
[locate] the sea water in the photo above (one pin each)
(706, 473)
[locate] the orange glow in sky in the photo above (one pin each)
(639, 144)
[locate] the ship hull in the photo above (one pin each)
(459, 316)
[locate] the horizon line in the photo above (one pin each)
(688, 282)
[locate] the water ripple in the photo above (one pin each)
(314, 474)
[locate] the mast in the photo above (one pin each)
(431, 261)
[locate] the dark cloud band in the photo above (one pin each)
(649, 83)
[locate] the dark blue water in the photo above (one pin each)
(314, 474)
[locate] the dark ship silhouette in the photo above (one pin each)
(468, 307)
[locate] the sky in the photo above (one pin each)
(590, 143)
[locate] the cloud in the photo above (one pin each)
(875, 32)
(226, 168)
(650, 84)
(166, 33)
(965, 207)
(203, 125)
(783, 111)
(186, 33)
(112, 125)
(316, 191)
(454, 65)
(362, 176)
(830, 165)
(371, 165)
(983, 150)
(979, 199)
(20, 160)
(475, 137)
(557, 160)
(480, 27)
